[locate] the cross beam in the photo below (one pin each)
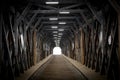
(55, 11)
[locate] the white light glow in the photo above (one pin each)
(54, 27)
(55, 32)
(64, 12)
(60, 29)
(22, 40)
(57, 51)
(101, 36)
(54, 35)
(53, 18)
(62, 23)
(52, 2)
(60, 34)
(109, 40)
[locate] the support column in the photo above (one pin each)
(77, 47)
(82, 46)
(0, 43)
(34, 47)
(119, 40)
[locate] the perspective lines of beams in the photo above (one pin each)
(86, 30)
(58, 21)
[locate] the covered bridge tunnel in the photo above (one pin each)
(86, 30)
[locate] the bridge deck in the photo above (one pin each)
(58, 68)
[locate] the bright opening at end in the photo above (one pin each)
(57, 51)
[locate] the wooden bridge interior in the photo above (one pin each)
(86, 30)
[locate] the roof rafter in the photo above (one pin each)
(55, 11)
(72, 6)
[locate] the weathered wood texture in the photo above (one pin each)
(0, 41)
(82, 47)
(17, 44)
(119, 40)
(34, 47)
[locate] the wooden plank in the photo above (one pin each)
(56, 11)
(82, 43)
(28, 48)
(0, 34)
(119, 41)
(23, 14)
(13, 46)
(115, 5)
(7, 55)
(34, 48)
(0, 43)
(72, 6)
(77, 47)
(33, 69)
(97, 15)
(87, 72)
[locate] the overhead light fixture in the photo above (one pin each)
(55, 32)
(51, 2)
(54, 27)
(60, 34)
(64, 12)
(62, 23)
(54, 35)
(60, 29)
(53, 18)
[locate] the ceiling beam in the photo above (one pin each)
(54, 29)
(24, 13)
(56, 22)
(70, 17)
(47, 7)
(37, 23)
(97, 15)
(72, 6)
(115, 5)
(55, 11)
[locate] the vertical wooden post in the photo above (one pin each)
(119, 40)
(77, 47)
(34, 47)
(0, 42)
(82, 46)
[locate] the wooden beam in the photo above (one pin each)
(37, 23)
(34, 47)
(85, 19)
(8, 56)
(79, 23)
(72, 6)
(55, 11)
(56, 22)
(119, 41)
(47, 7)
(115, 5)
(31, 20)
(82, 46)
(97, 15)
(22, 15)
(1, 53)
(62, 17)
